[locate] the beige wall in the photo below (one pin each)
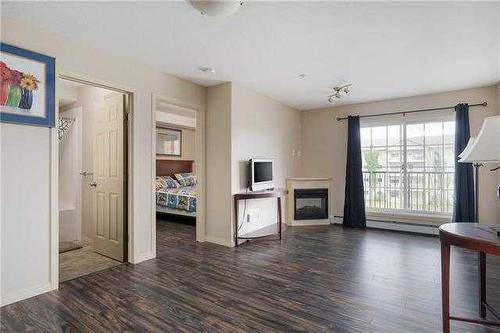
(35, 274)
(188, 144)
(243, 124)
(498, 172)
(324, 139)
(262, 128)
(218, 164)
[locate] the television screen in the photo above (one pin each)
(263, 172)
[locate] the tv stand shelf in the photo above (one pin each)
(259, 234)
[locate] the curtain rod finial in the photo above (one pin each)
(485, 103)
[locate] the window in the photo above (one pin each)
(409, 166)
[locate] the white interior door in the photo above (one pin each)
(108, 208)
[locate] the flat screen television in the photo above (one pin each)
(261, 174)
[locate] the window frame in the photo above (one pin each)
(403, 121)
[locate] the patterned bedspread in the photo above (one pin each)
(178, 198)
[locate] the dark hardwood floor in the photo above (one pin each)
(317, 279)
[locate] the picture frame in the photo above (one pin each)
(168, 141)
(27, 87)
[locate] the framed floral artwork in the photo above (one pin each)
(168, 141)
(27, 87)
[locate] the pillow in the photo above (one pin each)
(165, 182)
(186, 179)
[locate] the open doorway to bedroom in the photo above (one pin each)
(176, 177)
(92, 134)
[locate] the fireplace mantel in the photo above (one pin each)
(306, 183)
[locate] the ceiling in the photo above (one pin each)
(386, 49)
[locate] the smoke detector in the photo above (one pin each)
(209, 70)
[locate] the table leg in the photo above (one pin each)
(482, 284)
(445, 285)
(235, 222)
(279, 216)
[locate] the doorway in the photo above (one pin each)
(176, 172)
(92, 135)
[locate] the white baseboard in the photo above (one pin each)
(19, 295)
(398, 226)
(219, 241)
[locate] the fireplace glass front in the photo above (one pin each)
(311, 204)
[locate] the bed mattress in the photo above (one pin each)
(183, 198)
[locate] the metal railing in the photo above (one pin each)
(425, 191)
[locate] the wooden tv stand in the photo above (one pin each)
(276, 193)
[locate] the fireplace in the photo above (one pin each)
(311, 204)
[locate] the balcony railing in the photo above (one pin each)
(426, 191)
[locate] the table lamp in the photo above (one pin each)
(483, 149)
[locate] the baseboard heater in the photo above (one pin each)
(420, 228)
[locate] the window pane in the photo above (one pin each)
(449, 132)
(366, 136)
(415, 158)
(394, 158)
(382, 158)
(433, 133)
(373, 159)
(379, 136)
(449, 157)
(394, 135)
(415, 134)
(433, 158)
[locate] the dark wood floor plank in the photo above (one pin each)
(318, 279)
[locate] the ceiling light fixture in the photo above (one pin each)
(216, 8)
(302, 75)
(339, 92)
(209, 70)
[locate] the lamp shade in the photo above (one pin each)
(485, 147)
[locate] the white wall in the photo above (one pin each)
(25, 211)
(262, 128)
(324, 139)
(25, 227)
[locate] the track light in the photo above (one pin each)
(339, 92)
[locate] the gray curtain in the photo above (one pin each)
(463, 205)
(354, 203)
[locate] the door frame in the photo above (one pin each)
(199, 161)
(128, 131)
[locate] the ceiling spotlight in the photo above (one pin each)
(302, 75)
(209, 70)
(346, 90)
(216, 8)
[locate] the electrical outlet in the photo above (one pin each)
(248, 218)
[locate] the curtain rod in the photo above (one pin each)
(412, 111)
